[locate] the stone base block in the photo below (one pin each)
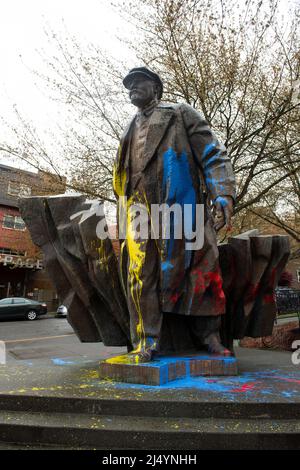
(164, 369)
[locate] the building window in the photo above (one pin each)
(8, 251)
(18, 189)
(8, 221)
(13, 222)
(19, 223)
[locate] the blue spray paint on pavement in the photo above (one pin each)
(61, 362)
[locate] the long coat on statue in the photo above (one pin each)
(183, 161)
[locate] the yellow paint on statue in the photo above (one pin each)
(136, 252)
(122, 248)
(103, 260)
(137, 256)
(119, 178)
(124, 359)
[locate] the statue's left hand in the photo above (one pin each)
(223, 209)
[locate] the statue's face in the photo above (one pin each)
(142, 91)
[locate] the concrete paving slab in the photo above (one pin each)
(265, 376)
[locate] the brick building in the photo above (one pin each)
(21, 265)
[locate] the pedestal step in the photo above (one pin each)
(125, 432)
(68, 422)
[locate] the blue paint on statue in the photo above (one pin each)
(208, 149)
(222, 201)
(178, 189)
(214, 185)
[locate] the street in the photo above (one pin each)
(48, 340)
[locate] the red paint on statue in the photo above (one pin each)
(213, 281)
(272, 280)
(217, 288)
(199, 282)
(174, 298)
(252, 292)
(269, 298)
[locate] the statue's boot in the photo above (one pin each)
(214, 345)
(134, 357)
(142, 356)
(142, 353)
(145, 350)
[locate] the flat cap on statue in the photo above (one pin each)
(143, 71)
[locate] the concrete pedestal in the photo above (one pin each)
(164, 369)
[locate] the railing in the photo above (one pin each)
(287, 301)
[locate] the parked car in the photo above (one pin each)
(18, 307)
(62, 311)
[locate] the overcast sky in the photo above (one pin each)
(22, 35)
(22, 25)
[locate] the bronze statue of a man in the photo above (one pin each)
(169, 155)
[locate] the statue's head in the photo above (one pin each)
(143, 85)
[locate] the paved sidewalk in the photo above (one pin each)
(265, 376)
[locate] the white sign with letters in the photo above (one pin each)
(21, 262)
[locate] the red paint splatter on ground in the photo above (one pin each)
(244, 388)
(287, 379)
